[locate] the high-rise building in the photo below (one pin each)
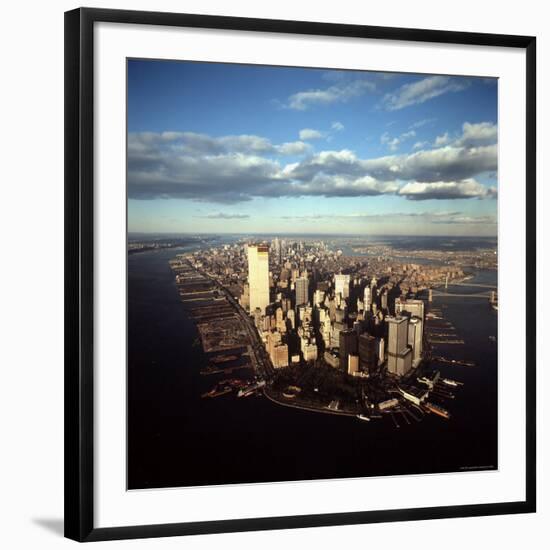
(257, 315)
(348, 345)
(381, 351)
(291, 318)
(341, 285)
(367, 352)
(353, 364)
(278, 351)
(244, 300)
(277, 250)
(325, 326)
(258, 276)
(319, 297)
(359, 327)
(339, 315)
(414, 307)
(280, 358)
(301, 286)
(308, 346)
(404, 362)
(336, 329)
(397, 345)
(415, 340)
(367, 299)
(384, 300)
(305, 314)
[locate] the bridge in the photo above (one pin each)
(478, 285)
(436, 293)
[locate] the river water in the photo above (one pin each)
(175, 438)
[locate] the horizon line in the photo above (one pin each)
(309, 233)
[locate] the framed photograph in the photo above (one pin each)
(300, 274)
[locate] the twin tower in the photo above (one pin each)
(258, 276)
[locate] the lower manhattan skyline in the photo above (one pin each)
(312, 273)
(219, 148)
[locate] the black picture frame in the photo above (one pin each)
(79, 266)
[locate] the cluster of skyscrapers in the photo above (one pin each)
(304, 317)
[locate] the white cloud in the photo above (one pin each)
(309, 133)
(420, 144)
(393, 143)
(293, 148)
(224, 216)
(339, 186)
(203, 144)
(338, 93)
(442, 140)
(421, 91)
(337, 126)
(465, 189)
(444, 164)
(237, 168)
(420, 123)
(473, 135)
(439, 218)
(478, 134)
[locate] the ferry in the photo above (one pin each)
(363, 417)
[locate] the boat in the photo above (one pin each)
(432, 407)
(450, 382)
(217, 392)
(245, 392)
(223, 358)
(363, 417)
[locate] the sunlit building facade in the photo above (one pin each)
(258, 276)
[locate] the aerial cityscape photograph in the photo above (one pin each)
(312, 274)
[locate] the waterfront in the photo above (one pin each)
(178, 439)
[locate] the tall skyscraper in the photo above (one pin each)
(319, 297)
(277, 250)
(348, 345)
(367, 298)
(258, 276)
(415, 339)
(414, 307)
(341, 285)
(404, 362)
(399, 355)
(381, 351)
(367, 352)
(301, 286)
(353, 364)
(384, 300)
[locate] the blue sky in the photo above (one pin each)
(253, 149)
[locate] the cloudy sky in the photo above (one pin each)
(253, 149)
